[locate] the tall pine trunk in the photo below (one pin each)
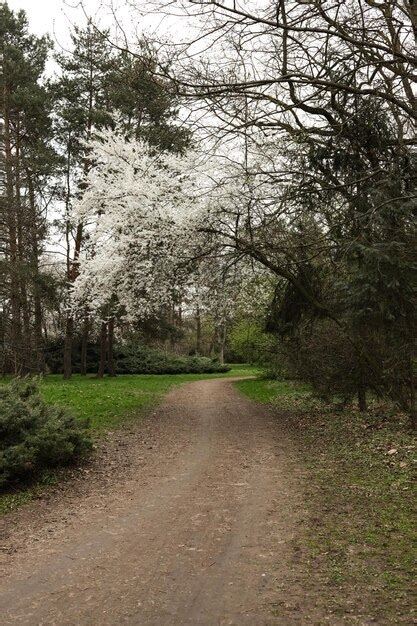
(362, 403)
(72, 271)
(361, 379)
(37, 296)
(12, 252)
(69, 325)
(39, 347)
(22, 245)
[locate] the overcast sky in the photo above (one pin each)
(56, 17)
(48, 16)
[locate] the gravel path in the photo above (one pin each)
(187, 519)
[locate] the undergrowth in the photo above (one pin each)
(358, 471)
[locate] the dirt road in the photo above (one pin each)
(193, 524)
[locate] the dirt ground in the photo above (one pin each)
(191, 517)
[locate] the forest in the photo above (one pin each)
(234, 197)
(305, 236)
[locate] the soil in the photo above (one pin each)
(190, 517)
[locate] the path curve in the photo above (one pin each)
(200, 531)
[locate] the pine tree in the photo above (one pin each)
(144, 104)
(27, 157)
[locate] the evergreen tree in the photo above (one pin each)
(144, 104)
(27, 159)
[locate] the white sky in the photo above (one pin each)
(56, 17)
(49, 16)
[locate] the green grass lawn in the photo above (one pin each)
(106, 403)
(264, 390)
(358, 485)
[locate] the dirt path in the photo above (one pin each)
(193, 524)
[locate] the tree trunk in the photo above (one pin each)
(84, 346)
(221, 354)
(22, 245)
(16, 323)
(37, 296)
(110, 355)
(362, 403)
(172, 338)
(3, 343)
(198, 331)
(411, 6)
(361, 385)
(413, 408)
(212, 346)
(40, 357)
(103, 350)
(72, 268)
(222, 342)
(69, 330)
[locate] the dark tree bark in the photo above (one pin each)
(16, 323)
(22, 245)
(69, 330)
(37, 296)
(212, 347)
(361, 385)
(362, 403)
(38, 337)
(198, 331)
(110, 353)
(413, 408)
(84, 346)
(103, 350)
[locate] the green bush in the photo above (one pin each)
(141, 360)
(35, 435)
(131, 358)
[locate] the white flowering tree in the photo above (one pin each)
(160, 227)
(137, 209)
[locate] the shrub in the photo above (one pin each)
(277, 365)
(131, 358)
(35, 435)
(326, 359)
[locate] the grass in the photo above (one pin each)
(109, 402)
(264, 390)
(359, 489)
(106, 403)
